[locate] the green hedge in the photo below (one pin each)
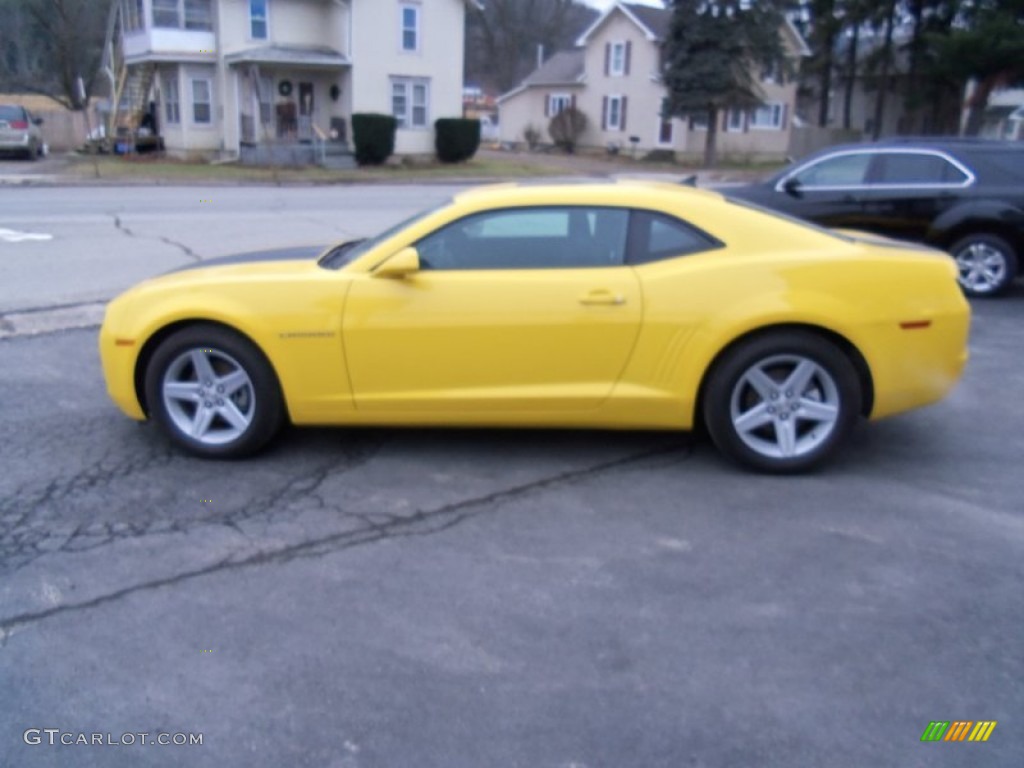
(374, 137)
(456, 139)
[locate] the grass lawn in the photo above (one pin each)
(157, 170)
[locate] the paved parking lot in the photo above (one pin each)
(365, 598)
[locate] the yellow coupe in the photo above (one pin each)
(615, 305)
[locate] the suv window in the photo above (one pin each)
(915, 168)
(844, 170)
(549, 237)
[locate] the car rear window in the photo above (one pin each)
(11, 113)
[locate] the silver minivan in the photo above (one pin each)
(19, 132)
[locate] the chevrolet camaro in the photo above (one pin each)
(624, 305)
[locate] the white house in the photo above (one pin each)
(613, 77)
(231, 77)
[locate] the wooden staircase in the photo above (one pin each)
(130, 87)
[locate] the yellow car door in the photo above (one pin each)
(511, 310)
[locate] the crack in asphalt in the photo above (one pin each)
(22, 542)
(120, 227)
(420, 523)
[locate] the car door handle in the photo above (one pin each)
(595, 298)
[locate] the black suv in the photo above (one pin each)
(965, 196)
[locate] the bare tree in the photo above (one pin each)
(502, 39)
(46, 45)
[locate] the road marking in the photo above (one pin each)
(14, 236)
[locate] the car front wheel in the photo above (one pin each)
(782, 402)
(987, 264)
(213, 392)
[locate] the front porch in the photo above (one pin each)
(292, 106)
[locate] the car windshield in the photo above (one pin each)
(793, 219)
(348, 252)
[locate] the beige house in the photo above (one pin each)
(613, 77)
(273, 80)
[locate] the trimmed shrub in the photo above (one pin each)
(374, 137)
(456, 139)
(566, 128)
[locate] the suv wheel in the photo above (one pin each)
(987, 264)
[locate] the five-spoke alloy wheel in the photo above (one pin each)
(213, 392)
(987, 264)
(782, 402)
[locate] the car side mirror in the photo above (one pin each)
(37, 120)
(402, 264)
(792, 187)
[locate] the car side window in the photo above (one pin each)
(549, 237)
(656, 236)
(838, 171)
(915, 168)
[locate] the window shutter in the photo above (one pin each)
(572, 101)
(607, 58)
(782, 120)
(629, 48)
(622, 114)
(746, 120)
(547, 105)
(604, 113)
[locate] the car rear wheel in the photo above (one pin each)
(782, 402)
(213, 392)
(987, 264)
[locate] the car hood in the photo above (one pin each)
(294, 253)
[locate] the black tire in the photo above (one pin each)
(33, 154)
(832, 388)
(227, 423)
(999, 256)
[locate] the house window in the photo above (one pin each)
(165, 14)
(182, 14)
(557, 103)
(617, 61)
(410, 100)
(410, 26)
(615, 113)
(768, 117)
(258, 19)
(202, 102)
(665, 137)
(699, 121)
(132, 14)
(734, 120)
(198, 14)
(172, 104)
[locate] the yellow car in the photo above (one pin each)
(615, 305)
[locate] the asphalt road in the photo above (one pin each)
(390, 598)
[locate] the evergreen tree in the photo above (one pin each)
(713, 56)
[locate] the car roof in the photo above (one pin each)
(949, 144)
(593, 192)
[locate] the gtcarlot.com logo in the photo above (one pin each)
(958, 730)
(55, 736)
